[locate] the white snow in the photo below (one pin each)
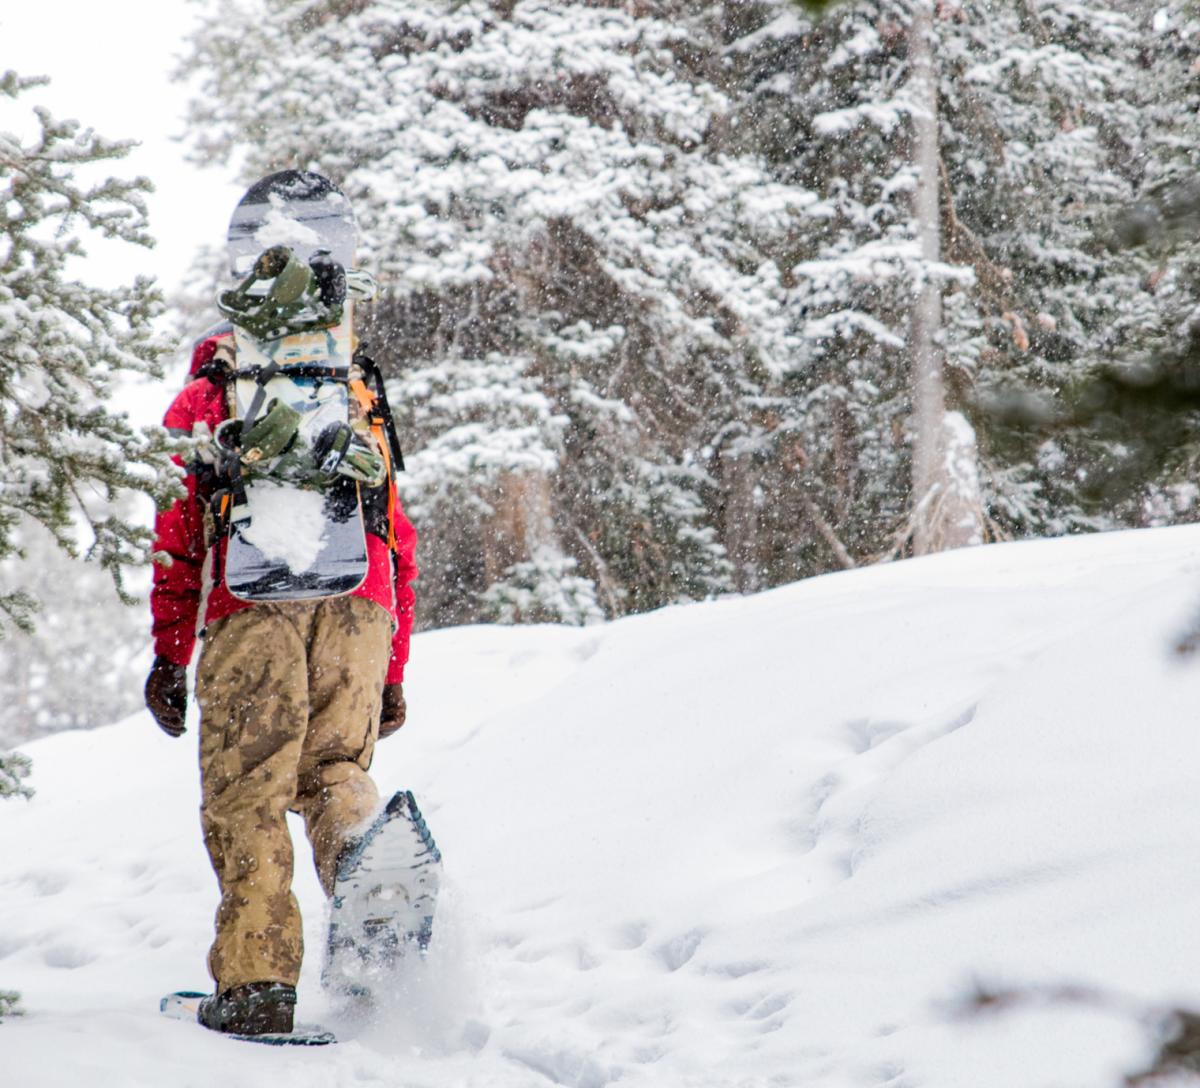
(763, 841)
(280, 229)
(287, 524)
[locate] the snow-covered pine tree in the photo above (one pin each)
(1063, 85)
(1149, 399)
(66, 454)
(1036, 135)
(581, 292)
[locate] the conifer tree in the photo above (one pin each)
(652, 271)
(66, 454)
(1039, 139)
(581, 292)
(1146, 401)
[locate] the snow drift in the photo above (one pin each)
(772, 840)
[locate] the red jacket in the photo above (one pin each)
(180, 589)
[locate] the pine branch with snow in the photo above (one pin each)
(66, 453)
(1048, 120)
(14, 768)
(10, 1004)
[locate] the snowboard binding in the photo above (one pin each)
(284, 295)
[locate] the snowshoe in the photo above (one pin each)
(260, 1012)
(383, 900)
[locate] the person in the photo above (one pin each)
(292, 695)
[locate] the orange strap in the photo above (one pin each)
(363, 395)
(367, 400)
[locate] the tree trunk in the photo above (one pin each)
(741, 520)
(944, 516)
(522, 524)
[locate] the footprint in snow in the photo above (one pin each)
(678, 951)
(629, 936)
(66, 955)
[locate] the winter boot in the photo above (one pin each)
(383, 899)
(257, 1008)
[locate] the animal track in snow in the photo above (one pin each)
(880, 747)
(585, 958)
(890, 1073)
(676, 952)
(564, 1066)
(67, 955)
(960, 720)
(736, 970)
(867, 733)
(588, 649)
(648, 1053)
(628, 936)
(760, 1006)
(45, 882)
(803, 829)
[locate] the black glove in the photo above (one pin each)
(395, 710)
(166, 695)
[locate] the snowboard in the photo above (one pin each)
(185, 1005)
(384, 898)
(290, 539)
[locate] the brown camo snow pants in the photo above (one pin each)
(289, 697)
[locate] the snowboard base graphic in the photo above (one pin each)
(291, 538)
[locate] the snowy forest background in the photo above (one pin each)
(679, 299)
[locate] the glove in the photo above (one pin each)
(395, 710)
(166, 695)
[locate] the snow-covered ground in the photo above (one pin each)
(764, 841)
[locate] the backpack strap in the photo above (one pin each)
(379, 415)
(237, 484)
(372, 371)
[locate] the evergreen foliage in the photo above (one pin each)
(9, 1004)
(1148, 399)
(1043, 133)
(14, 768)
(580, 290)
(650, 270)
(66, 456)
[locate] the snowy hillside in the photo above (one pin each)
(764, 841)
